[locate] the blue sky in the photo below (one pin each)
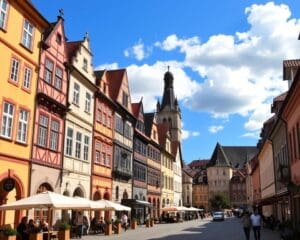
(226, 58)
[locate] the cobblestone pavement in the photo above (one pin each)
(230, 229)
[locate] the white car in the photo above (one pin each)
(218, 216)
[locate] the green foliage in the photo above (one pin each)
(219, 202)
(64, 226)
(117, 221)
(10, 232)
(108, 221)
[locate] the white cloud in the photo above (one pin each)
(138, 51)
(108, 66)
(215, 129)
(254, 135)
(242, 72)
(187, 134)
(147, 81)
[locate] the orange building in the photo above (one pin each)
(21, 28)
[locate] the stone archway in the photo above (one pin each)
(10, 184)
(40, 214)
(78, 192)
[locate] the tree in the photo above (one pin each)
(218, 202)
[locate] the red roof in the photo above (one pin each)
(162, 130)
(198, 163)
(115, 77)
(72, 48)
(291, 63)
(136, 109)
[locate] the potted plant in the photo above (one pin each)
(133, 223)
(9, 234)
(151, 222)
(117, 226)
(36, 234)
(64, 231)
(147, 222)
(108, 227)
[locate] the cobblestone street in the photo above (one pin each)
(199, 229)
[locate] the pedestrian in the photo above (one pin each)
(256, 222)
(124, 221)
(246, 224)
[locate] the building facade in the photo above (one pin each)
(76, 173)
(21, 28)
(187, 188)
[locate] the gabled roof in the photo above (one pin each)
(72, 48)
(136, 109)
(115, 78)
(162, 129)
(99, 73)
(148, 120)
(198, 163)
(232, 156)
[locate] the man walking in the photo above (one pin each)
(256, 221)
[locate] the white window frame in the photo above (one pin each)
(3, 13)
(49, 66)
(7, 119)
(54, 134)
(78, 144)
(27, 37)
(14, 71)
(97, 156)
(69, 141)
(27, 77)
(43, 130)
(23, 126)
(86, 148)
(58, 78)
(88, 98)
(76, 93)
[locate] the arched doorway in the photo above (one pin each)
(97, 196)
(78, 192)
(40, 214)
(11, 189)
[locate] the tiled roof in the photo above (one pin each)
(162, 130)
(99, 73)
(232, 156)
(148, 121)
(291, 63)
(135, 109)
(198, 163)
(115, 78)
(72, 48)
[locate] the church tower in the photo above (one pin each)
(168, 110)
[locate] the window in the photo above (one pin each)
(86, 148)
(127, 131)
(58, 39)
(43, 130)
(27, 78)
(58, 78)
(125, 100)
(14, 72)
(87, 102)
(22, 126)
(54, 135)
(85, 64)
(78, 145)
(76, 94)
(97, 157)
(7, 120)
(3, 13)
(119, 124)
(69, 142)
(27, 34)
(48, 71)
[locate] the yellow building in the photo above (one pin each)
(21, 27)
(167, 161)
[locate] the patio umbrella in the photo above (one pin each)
(95, 205)
(115, 206)
(48, 200)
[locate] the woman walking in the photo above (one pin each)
(246, 224)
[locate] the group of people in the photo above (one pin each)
(253, 221)
(26, 227)
(80, 224)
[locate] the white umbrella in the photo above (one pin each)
(95, 205)
(182, 208)
(193, 209)
(115, 206)
(48, 200)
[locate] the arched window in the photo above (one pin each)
(125, 194)
(164, 203)
(78, 192)
(97, 196)
(136, 197)
(106, 196)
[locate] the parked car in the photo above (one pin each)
(218, 216)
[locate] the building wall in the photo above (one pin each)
(200, 196)
(167, 190)
(177, 180)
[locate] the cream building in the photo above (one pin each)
(76, 172)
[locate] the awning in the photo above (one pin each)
(135, 202)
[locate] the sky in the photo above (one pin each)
(226, 58)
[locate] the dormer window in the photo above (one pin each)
(125, 100)
(58, 39)
(85, 64)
